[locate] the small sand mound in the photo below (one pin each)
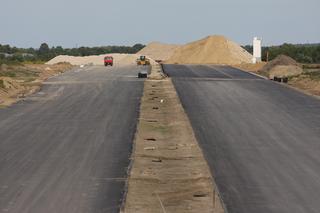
(282, 66)
(284, 71)
(281, 60)
(119, 59)
(211, 50)
(159, 51)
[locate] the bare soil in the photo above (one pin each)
(211, 50)
(306, 79)
(18, 81)
(308, 82)
(159, 51)
(119, 59)
(169, 172)
(281, 66)
(251, 67)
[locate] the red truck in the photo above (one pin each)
(108, 60)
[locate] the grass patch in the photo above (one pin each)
(19, 73)
(311, 66)
(313, 75)
(34, 62)
(29, 79)
(10, 74)
(2, 84)
(307, 74)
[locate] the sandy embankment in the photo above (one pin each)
(18, 81)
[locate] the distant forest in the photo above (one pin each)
(14, 55)
(303, 53)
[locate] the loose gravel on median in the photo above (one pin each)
(169, 172)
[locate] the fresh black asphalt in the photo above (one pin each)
(66, 149)
(261, 139)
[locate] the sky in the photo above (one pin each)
(74, 23)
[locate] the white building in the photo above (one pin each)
(256, 50)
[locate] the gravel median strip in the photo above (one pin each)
(169, 172)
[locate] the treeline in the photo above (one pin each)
(303, 53)
(12, 55)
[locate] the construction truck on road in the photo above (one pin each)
(143, 60)
(108, 60)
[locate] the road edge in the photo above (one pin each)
(287, 85)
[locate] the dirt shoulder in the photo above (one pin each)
(251, 67)
(18, 81)
(169, 172)
(308, 81)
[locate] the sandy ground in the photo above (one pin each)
(119, 59)
(250, 67)
(211, 50)
(159, 51)
(282, 71)
(308, 82)
(169, 172)
(16, 82)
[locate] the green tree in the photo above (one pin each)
(137, 47)
(44, 52)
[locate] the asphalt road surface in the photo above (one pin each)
(66, 149)
(261, 139)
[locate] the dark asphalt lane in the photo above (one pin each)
(206, 71)
(66, 149)
(261, 139)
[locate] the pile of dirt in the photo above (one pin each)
(159, 51)
(284, 71)
(281, 60)
(211, 50)
(119, 59)
(281, 66)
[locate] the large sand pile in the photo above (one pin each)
(282, 66)
(159, 51)
(211, 50)
(119, 59)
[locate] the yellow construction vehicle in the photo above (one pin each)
(143, 60)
